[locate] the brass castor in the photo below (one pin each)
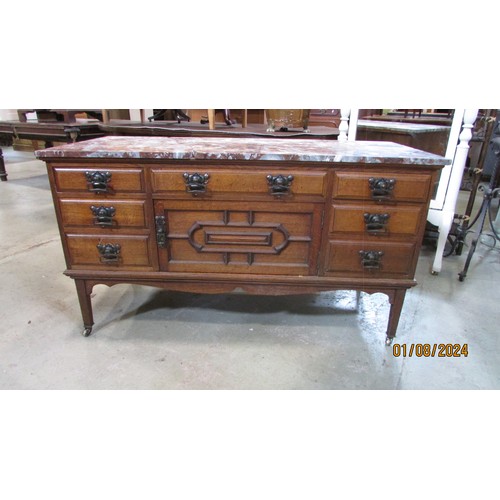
(87, 331)
(388, 340)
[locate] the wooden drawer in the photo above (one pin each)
(406, 186)
(116, 214)
(121, 180)
(133, 253)
(231, 237)
(344, 259)
(374, 219)
(237, 182)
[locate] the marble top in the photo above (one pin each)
(402, 126)
(222, 148)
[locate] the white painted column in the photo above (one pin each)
(344, 124)
(456, 126)
(353, 125)
(457, 170)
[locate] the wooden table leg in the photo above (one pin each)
(3, 172)
(211, 119)
(85, 305)
(396, 300)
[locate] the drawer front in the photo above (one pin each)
(387, 259)
(238, 182)
(376, 220)
(117, 252)
(234, 238)
(99, 180)
(381, 186)
(116, 214)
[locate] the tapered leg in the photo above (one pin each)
(396, 301)
(85, 306)
(3, 172)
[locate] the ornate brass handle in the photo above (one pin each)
(98, 182)
(196, 183)
(381, 188)
(103, 216)
(371, 259)
(279, 184)
(376, 223)
(109, 252)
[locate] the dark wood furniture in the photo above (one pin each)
(263, 216)
(423, 118)
(165, 114)
(59, 115)
(431, 138)
(193, 129)
(324, 117)
(48, 132)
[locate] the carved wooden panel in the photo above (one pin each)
(237, 237)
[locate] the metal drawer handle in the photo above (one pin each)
(109, 253)
(196, 183)
(371, 259)
(103, 216)
(376, 223)
(381, 188)
(161, 231)
(279, 184)
(98, 182)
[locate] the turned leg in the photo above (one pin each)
(85, 306)
(3, 172)
(211, 119)
(444, 230)
(396, 300)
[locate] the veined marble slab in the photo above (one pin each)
(263, 149)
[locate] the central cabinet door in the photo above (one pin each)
(238, 237)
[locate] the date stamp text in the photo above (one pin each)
(430, 350)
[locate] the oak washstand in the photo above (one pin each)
(263, 216)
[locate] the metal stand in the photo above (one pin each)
(490, 192)
(3, 172)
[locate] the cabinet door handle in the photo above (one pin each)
(371, 259)
(381, 188)
(196, 183)
(279, 184)
(376, 223)
(103, 216)
(98, 182)
(109, 253)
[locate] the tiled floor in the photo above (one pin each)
(145, 338)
